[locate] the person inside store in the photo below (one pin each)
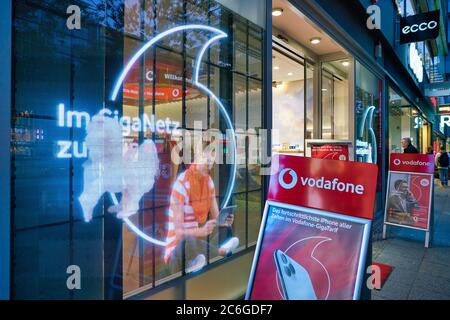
(194, 214)
(408, 147)
(401, 202)
(430, 150)
(442, 163)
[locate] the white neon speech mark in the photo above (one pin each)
(119, 83)
(285, 185)
(368, 114)
(324, 239)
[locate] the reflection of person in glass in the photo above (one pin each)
(193, 216)
(401, 202)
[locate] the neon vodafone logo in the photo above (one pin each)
(397, 162)
(420, 27)
(320, 183)
(285, 185)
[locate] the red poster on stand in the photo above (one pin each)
(315, 231)
(410, 189)
(330, 151)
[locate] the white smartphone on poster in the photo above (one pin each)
(295, 281)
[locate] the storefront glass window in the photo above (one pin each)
(400, 6)
(309, 132)
(369, 142)
(335, 100)
(288, 89)
(409, 8)
(368, 120)
(62, 79)
(404, 122)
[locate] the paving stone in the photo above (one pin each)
(406, 243)
(395, 290)
(401, 262)
(435, 269)
(438, 255)
(403, 276)
(378, 297)
(421, 293)
(437, 284)
(408, 252)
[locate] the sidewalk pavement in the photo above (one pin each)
(419, 273)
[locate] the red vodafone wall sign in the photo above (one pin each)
(173, 93)
(336, 186)
(330, 151)
(405, 162)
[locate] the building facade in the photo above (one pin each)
(306, 71)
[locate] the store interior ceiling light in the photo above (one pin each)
(290, 74)
(315, 40)
(276, 12)
(345, 63)
(276, 68)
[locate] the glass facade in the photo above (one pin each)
(405, 121)
(368, 109)
(335, 100)
(97, 193)
(292, 102)
(64, 202)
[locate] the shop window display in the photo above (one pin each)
(57, 220)
(405, 121)
(335, 100)
(369, 143)
(292, 91)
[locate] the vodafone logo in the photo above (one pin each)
(420, 27)
(175, 93)
(398, 162)
(285, 185)
(319, 183)
(424, 182)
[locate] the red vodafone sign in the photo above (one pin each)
(337, 186)
(330, 151)
(411, 162)
(173, 93)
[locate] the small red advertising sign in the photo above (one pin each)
(408, 201)
(173, 93)
(330, 151)
(336, 186)
(410, 189)
(412, 162)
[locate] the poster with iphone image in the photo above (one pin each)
(294, 279)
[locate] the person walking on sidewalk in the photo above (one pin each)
(442, 162)
(408, 147)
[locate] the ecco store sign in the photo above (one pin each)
(419, 27)
(415, 62)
